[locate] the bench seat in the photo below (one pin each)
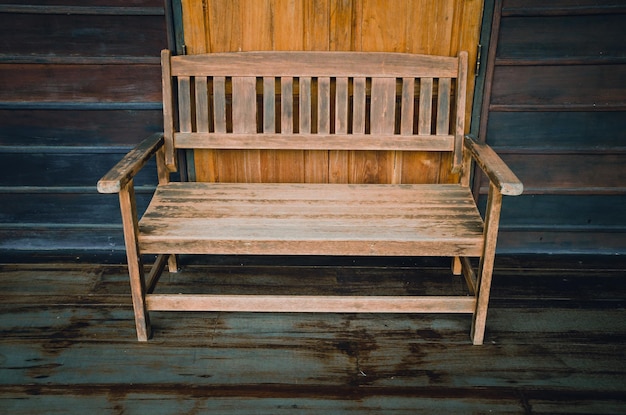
(312, 219)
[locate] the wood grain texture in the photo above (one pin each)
(554, 111)
(554, 342)
(311, 219)
(414, 26)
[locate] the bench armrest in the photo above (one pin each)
(493, 166)
(130, 164)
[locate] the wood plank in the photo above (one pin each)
(110, 35)
(310, 304)
(305, 105)
(325, 141)
(185, 113)
(244, 115)
(600, 87)
(219, 104)
(425, 106)
(298, 218)
(323, 105)
(359, 109)
(570, 173)
(460, 114)
(572, 37)
(97, 83)
(382, 120)
(269, 104)
(95, 128)
(443, 106)
(44, 170)
(244, 105)
(167, 85)
(202, 104)
(408, 106)
(341, 105)
(320, 64)
(286, 103)
(128, 208)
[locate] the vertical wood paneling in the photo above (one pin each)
(416, 26)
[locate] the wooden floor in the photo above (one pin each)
(555, 342)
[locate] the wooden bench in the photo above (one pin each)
(328, 102)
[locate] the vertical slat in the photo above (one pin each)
(245, 121)
(244, 104)
(168, 111)
(358, 106)
(382, 115)
(219, 104)
(202, 104)
(184, 104)
(269, 105)
(203, 158)
(382, 121)
(461, 90)
(443, 107)
(341, 106)
(305, 105)
(408, 106)
(286, 104)
(426, 106)
(323, 105)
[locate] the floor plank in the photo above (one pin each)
(554, 342)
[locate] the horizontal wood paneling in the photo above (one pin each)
(59, 127)
(31, 210)
(567, 212)
(560, 37)
(91, 4)
(45, 241)
(561, 241)
(60, 170)
(79, 83)
(571, 87)
(76, 35)
(572, 173)
(561, 7)
(573, 131)
(556, 112)
(79, 86)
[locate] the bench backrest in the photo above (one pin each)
(314, 101)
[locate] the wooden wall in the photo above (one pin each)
(442, 27)
(79, 86)
(555, 109)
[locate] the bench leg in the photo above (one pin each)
(172, 263)
(485, 269)
(135, 266)
(457, 267)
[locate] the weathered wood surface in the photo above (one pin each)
(554, 342)
(248, 217)
(80, 86)
(554, 109)
(309, 219)
(413, 26)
